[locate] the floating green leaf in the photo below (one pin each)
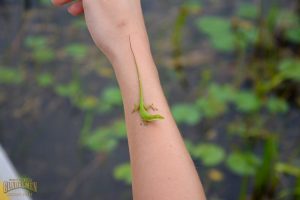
(219, 31)
(209, 154)
(120, 128)
(287, 169)
(243, 164)
(45, 79)
(43, 55)
(189, 145)
(123, 173)
(105, 139)
(248, 11)
(251, 34)
(211, 107)
(215, 103)
(293, 34)
(112, 96)
(71, 89)
(276, 105)
(238, 128)
(246, 101)
(223, 93)
(77, 51)
(186, 113)
(192, 6)
(87, 102)
(212, 25)
(247, 130)
(287, 19)
(224, 43)
(290, 69)
(247, 35)
(41, 52)
(36, 42)
(10, 75)
(101, 140)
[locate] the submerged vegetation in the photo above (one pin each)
(239, 71)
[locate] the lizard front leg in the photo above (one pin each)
(136, 108)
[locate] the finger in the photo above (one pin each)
(60, 2)
(76, 8)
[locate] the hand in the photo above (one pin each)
(109, 21)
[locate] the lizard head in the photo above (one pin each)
(154, 118)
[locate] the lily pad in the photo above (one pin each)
(123, 173)
(213, 25)
(186, 113)
(77, 51)
(36, 42)
(209, 154)
(246, 101)
(112, 96)
(293, 34)
(242, 163)
(10, 75)
(219, 31)
(101, 140)
(43, 55)
(276, 105)
(248, 11)
(290, 69)
(45, 79)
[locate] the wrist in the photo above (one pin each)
(125, 68)
(121, 53)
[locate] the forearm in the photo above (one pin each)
(162, 167)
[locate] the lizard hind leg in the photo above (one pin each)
(151, 106)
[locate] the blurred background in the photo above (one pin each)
(231, 73)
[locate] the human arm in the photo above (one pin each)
(162, 168)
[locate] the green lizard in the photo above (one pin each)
(141, 107)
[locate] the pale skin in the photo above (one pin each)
(162, 168)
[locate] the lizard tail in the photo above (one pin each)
(138, 72)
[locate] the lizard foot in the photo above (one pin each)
(144, 123)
